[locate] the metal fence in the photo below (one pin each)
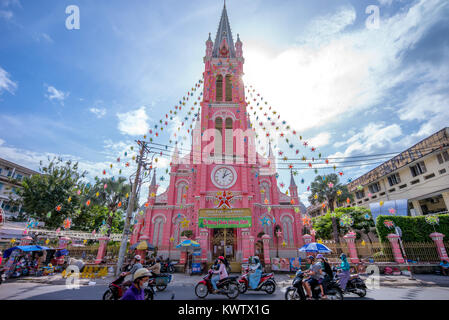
(422, 251)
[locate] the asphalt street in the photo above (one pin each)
(38, 291)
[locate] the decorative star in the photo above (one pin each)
(223, 200)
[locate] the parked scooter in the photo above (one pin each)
(266, 283)
(168, 266)
(297, 291)
(227, 286)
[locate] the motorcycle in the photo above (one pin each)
(266, 283)
(227, 286)
(118, 287)
(297, 291)
(355, 285)
(168, 267)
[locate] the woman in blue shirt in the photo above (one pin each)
(140, 280)
(344, 271)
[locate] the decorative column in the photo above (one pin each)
(266, 249)
(307, 238)
(101, 249)
(25, 241)
(202, 239)
(313, 233)
(394, 240)
(245, 245)
(438, 239)
(183, 258)
(251, 246)
(350, 240)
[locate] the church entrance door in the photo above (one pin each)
(224, 243)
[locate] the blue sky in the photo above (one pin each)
(87, 94)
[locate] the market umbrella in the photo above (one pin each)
(315, 247)
(142, 245)
(29, 248)
(188, 246)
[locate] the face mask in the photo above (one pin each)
(145, 285)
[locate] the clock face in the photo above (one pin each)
(224, 177)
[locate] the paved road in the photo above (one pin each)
(36, 291)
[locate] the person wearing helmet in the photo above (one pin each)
(219, 274)
(136, 265)
(156, 267)
(315, 276)
(256, 272)
(344, 271)
(136, 290)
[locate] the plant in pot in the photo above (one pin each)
(187, 233)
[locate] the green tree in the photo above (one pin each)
(328, 188)
(52, 196)
(112, 194)
(92, 217)
(323, 225)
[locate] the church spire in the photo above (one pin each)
(224, 33)
(153, 180)
(292, 180)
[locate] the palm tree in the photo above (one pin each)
(328, 188)
(112, 194)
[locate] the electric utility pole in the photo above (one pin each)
(132, 200)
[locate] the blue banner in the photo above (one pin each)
(400, 206)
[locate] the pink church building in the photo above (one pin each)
(232, 204)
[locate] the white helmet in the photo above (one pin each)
(140, 273)
(137, 257)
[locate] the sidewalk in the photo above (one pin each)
(282, 280)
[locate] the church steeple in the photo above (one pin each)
(224, 37)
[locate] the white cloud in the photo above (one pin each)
(6, 14)
(55, 94)
(6, 84)
(327, 78)
(374, 137)
(98, 112)
(43, 36)
(320, 140)
(134, 122)
(428, 104)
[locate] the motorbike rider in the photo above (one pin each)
(136, 265)
(136, 290)
(344, 271)
(155, 269)
(315, 276)
(256, 269)
(328, 274)
(219, 274)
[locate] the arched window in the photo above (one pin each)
(287, 228)
(228, 138)
(266, 192)
(178, 230)
(218, 139)
(228, 87)
(181, 191)
(268, 228)
(158, 231)
(219, 88)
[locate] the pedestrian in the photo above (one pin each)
(140, 281)
(344, 271)
(444, 264)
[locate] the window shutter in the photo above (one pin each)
(440, 158)
(398, 179)
(446, 156)
(412, 169)
(423, 167)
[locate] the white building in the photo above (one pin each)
(418, 177)
(11, 176)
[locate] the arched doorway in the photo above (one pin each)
(224, 243)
